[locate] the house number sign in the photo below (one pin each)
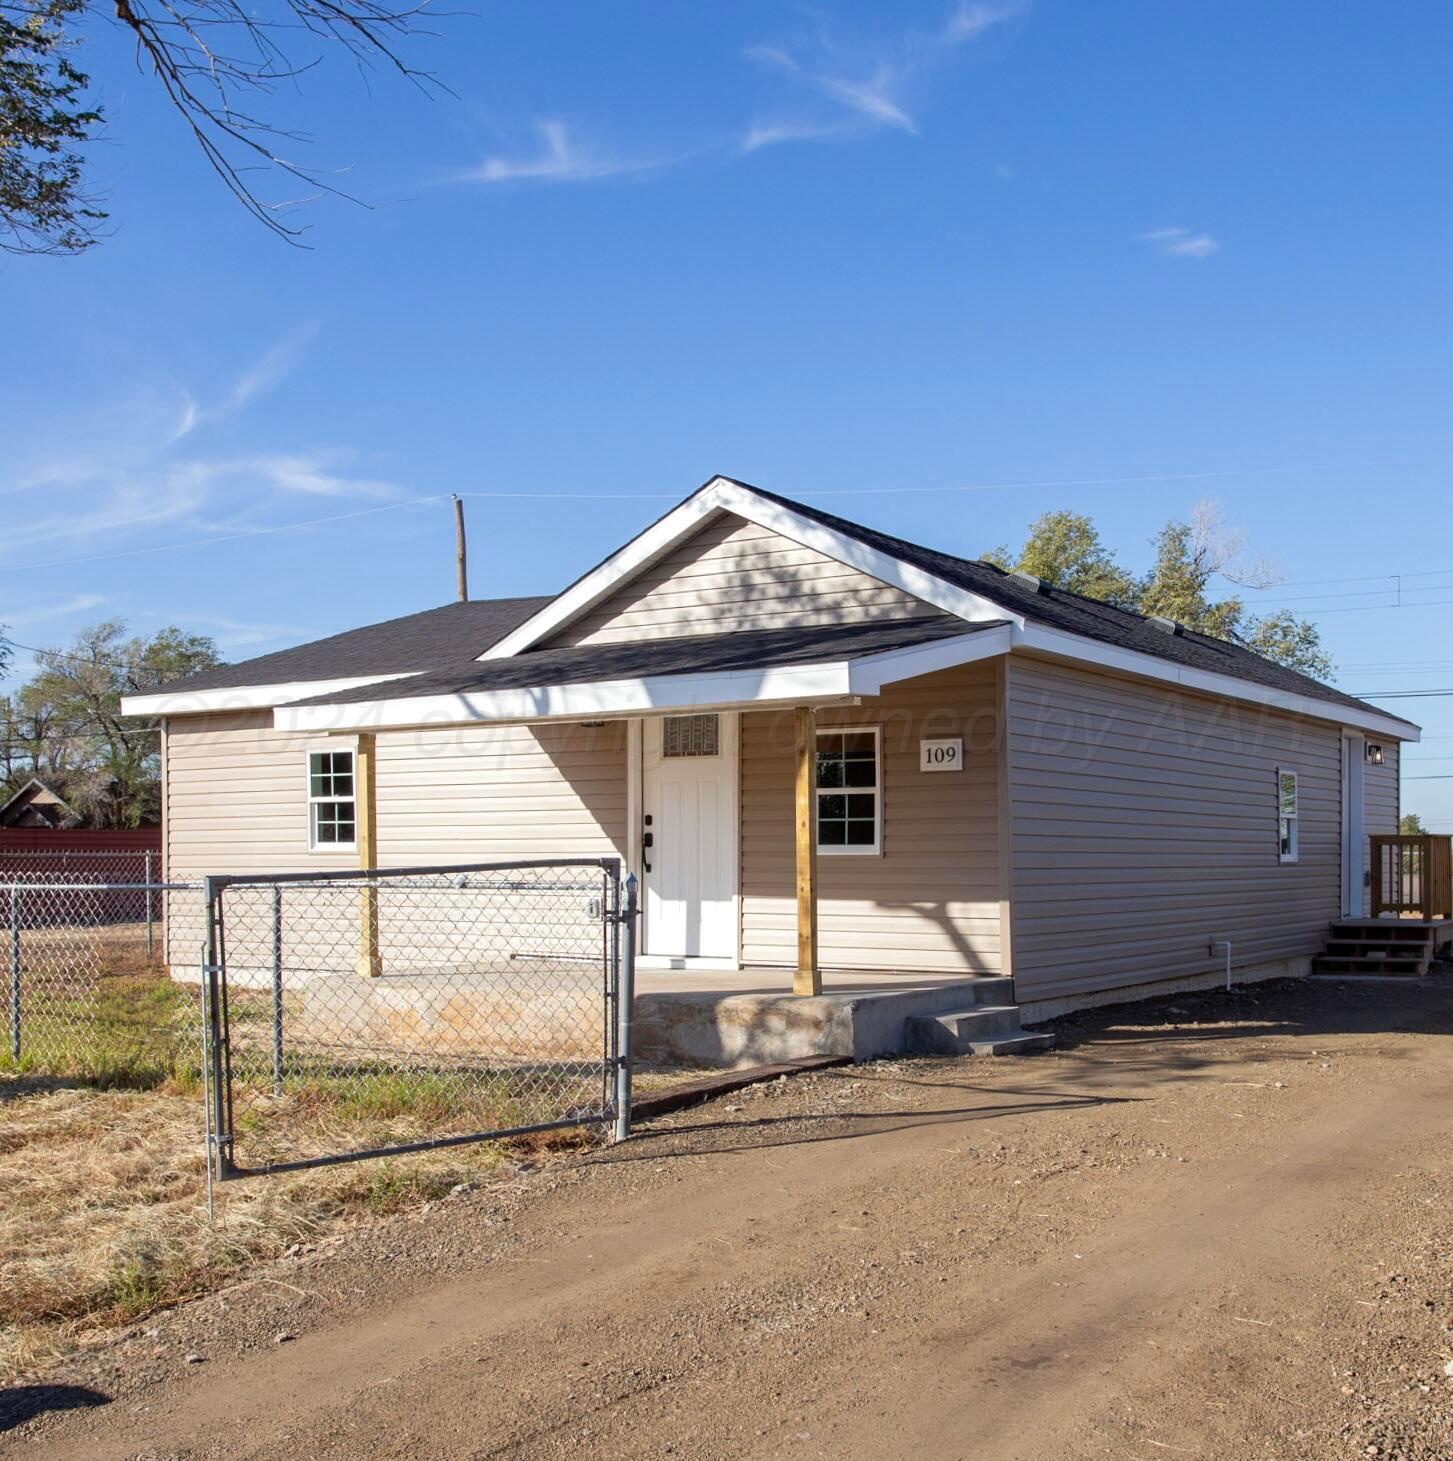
(941, 755)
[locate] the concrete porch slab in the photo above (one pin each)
(748, 1017)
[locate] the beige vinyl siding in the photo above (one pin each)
(237, 798)
(236, 802)
(498, 792)
(1145, 826)
(930, 900)
(733, 575)
(236, 795)
(1382, 806)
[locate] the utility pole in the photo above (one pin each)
(460, 552)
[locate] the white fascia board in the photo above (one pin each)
(720, 495)
(1064, 645)
(245, 697)
(796, 684)
(869, 674)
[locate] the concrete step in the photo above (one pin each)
(983, 1030)
(1016, 1045)
(990, 989)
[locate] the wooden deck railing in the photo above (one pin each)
(1412, 874)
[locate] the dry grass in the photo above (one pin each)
(103, 1214)
(102, 1182)
(103, 1209)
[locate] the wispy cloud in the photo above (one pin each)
(123, 469)
(243, 634)
(261, 377)
(41, 613)
(272, 367)
(315, 474)
(123, 506)
(859, 87)
(561, 159)
(769, 134)
(1182, 243)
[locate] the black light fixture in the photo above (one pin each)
(1372, 753)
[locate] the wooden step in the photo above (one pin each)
(1384, 930)
(1410, 966)
(1344, 948)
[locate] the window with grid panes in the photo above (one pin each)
(849, 799)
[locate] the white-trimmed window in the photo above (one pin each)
(849, 791)
(332, 810)
(1286, 810)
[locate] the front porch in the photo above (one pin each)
(743, 1017)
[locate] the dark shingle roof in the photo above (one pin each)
(439, 648)
(429, 640)
(1092, 618)
(695, 654)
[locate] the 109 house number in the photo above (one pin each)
(941, 755)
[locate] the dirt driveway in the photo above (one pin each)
(1210, 1226)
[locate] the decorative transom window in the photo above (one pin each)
(691, 735)
(332, 810)
(1286, 809)
(849, 802)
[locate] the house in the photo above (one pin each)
(35, 804)
(828, 752)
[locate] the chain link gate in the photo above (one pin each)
(396, 1010)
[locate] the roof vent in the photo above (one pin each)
(1029, 581)
(1166, 626)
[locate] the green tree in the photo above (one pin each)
(215, 61)
(1411, 824)
(66, 721)
(1064, 548)
(43, 208)
(1178, 585)
(1290, 641)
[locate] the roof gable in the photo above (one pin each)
(723, 494)
(1044, 619)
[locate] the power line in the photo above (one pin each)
(675, 496)
(1400, 694)
(84, 659)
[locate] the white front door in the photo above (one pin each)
(689, 837)
(1354, 821)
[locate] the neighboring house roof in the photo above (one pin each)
(696, 654)
(418, 642)
(37, 805)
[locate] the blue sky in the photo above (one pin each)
(1115, 257)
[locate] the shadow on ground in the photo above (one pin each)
(1167, 1040)
(21, 1403)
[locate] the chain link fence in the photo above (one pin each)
(87, 989)
(351, 1016)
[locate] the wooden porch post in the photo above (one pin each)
(365, 796)
(808, 979)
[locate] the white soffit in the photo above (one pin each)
(782, 684)
(246, 697)
(1076, 648)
